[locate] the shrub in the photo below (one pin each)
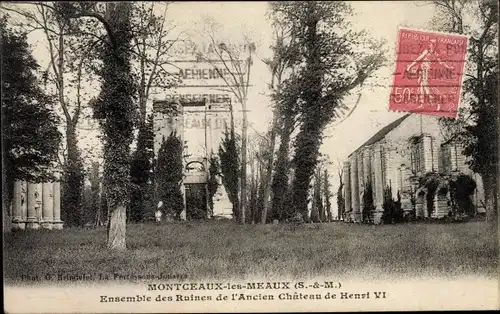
(230, 168)
(368, 203)
(461, 188)
(169, 171)
(393, 213)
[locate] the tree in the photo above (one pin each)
(30, 138)
(340, 195)
(317, 211)
(114, 107)
(71, 47)
(477, 128)
(150, 52)
(229, 163)
(141, 169)
(72, 191)
(169, 173)
(325, 79)
(393, 212)
(283, 59)
(327, 195)
(150, 55)
(237, 82)
(368, 205)
(95, 188)
(461, 188)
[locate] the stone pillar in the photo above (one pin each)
(378, 184)
(34, 202)
(17, 219)
(429, 157)
(48, 205)
(183, 191)
(367, 171)
(392, 170)
(399, 182)
(406, 188)
(355, 215)
(361, 184)
(57, 223)
(24, 201)
(347, 188)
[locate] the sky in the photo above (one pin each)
(380, 18)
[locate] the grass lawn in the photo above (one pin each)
(225, 250)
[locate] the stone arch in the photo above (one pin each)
(195, 165)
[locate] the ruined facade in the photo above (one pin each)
(36, 205)
(201, 126)
(395, 159)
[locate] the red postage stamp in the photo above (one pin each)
(428, 72)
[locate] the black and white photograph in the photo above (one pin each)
(203, 156)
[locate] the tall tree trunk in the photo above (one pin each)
(244, 134)
(118, 127)
(269, 170)
(73, 179)
(252, 202)
(326, 196)
(307, 149)
(280, 179)
(316, 215)
(117, 228)
(490, 197)
(309, 137)
(7, 191)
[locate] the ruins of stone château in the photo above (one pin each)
(396, 157)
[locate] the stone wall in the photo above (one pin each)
(388, 163)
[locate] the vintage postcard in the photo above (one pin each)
(177, 157)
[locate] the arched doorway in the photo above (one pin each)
(195, 185)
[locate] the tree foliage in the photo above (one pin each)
(393, 213)
(213, 183)
(462, 187)
(141, 171)
(327, 194)
(30, 138)
(71, 49)
(230, 169)
(114, 107)
(286, 103)
(72, 192)
(326, 45)
(237, 60)
(150, 56)
(368, 203)
(477, 127)
(169, 173)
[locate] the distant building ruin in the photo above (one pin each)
(201, 126)
(36, 205)
(396, 157)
